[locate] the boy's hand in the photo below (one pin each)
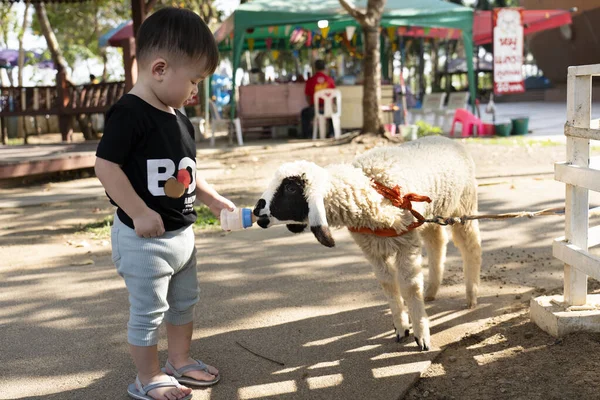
(148, 224)
(219, 203)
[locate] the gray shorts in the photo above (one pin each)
(160, 274)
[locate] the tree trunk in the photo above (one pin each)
(372, 83)
(370, 22)
(61, 66)
(22, 129)
(104, 65)
(59, 61)
(21, 60)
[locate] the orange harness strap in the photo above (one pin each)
(404, 202)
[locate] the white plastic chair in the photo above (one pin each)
(329, 111)
(432, 104)
(456, 100)
(216, 122)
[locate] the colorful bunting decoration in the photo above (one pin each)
(275, 54)
(287, 30)
(308, 38)
(269, 43)
(325, 32)
(270, 29)
(391, 31)
(350, 32)
(250, 44)
(276, 30)
(426, 30)
(401, 30)
(296, 35)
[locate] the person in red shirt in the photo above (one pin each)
(319, 81)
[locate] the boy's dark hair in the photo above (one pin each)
(179, 32)
(320, 65)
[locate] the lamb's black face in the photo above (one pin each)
(287, 204)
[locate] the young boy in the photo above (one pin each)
(146, 163)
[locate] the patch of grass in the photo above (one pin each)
(426, 129)
(14, 141)
(99, 229)
(205, 217)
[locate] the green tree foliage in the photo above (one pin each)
(78, 26)
(204, 8)
(8, 22)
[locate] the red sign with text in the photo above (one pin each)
(508, 50)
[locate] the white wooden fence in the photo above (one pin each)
(580, 179)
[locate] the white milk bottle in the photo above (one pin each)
(238, 219)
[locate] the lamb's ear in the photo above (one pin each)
(317, 219)
(296, 228)
(323, 235)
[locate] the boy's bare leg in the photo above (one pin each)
(180, 340)
(146, 362)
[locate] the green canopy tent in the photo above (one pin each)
(258, 19)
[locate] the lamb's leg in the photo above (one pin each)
(382, 266)
(466, 237)
(435, 240)
(399, 315)
(410, 280)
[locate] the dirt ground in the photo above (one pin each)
(510, 359)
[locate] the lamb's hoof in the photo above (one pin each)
(429, 298)
(423, 346)
(472, 304)
(399, 338)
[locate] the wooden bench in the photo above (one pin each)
(267, 106)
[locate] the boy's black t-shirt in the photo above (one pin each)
(157, 153)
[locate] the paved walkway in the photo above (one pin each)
(319, 312)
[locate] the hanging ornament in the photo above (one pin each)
(350, 32)
(401, 30)
(276, 30)
(270, 29)
(275, 54)
(426, 30)
(325, 32)
(391, 32)
(287, 30)
(354, 39)
(250, 44)
(269, 43)
(450, 33)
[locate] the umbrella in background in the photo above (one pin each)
(9, 59)
(115, 35)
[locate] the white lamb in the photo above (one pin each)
(343, 195)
